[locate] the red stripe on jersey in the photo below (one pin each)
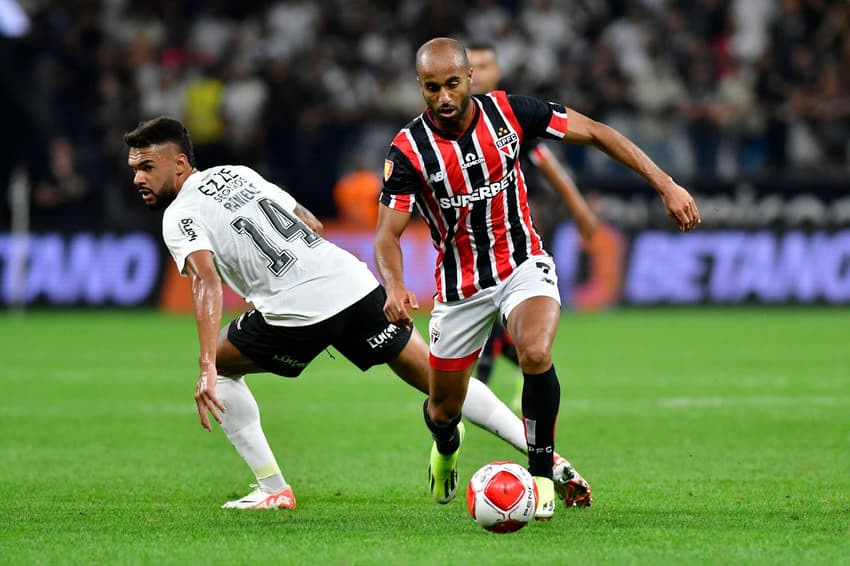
(459, 186)
(429, 204)
(444, 364)
(501, 98)
(536, 245)
(557, 124)
(403, 141)
(435, 219)
(402, 203)
(496, 168)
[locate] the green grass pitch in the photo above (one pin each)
(709, 436)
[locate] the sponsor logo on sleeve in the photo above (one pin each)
(187, 226)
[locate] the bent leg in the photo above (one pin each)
(442, 416)
(230, 361)
(241, 420)
(481, 406)
(446, 393)
(533, 324)
(411, 364)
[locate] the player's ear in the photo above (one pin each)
(181, 162)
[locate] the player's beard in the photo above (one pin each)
(453, 123)
(162, 199)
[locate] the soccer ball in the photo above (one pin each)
(502, 497)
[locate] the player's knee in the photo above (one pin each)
(535, 358)
(443, 414)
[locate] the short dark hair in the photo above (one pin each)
(480, 46)
(162, 130)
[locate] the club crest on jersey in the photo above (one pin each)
(507, 142)
(388, 169)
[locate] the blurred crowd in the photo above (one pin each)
(309, 91)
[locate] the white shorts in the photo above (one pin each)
(458, 330)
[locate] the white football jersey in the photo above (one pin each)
(289, 273)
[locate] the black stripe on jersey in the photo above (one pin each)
(513, 214)
(478, 216)
(435, 177)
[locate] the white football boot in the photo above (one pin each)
(571, 488)
(260, 499)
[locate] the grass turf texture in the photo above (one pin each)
(707, 435)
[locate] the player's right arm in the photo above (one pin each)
(207, 303)
(398, 197)
(390, 262)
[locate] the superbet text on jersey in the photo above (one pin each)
(471, 190)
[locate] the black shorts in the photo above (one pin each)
(361, 333)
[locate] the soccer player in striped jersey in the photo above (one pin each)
(458, 163)
(229, 223)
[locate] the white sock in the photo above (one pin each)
(484, 409)
(241, 424)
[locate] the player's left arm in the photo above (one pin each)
(207, 303)
(679, 203)
(563, 183)
(308, 218)
(300, 211)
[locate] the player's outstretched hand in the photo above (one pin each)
(398, 301)
(206, 399)
(681, 207)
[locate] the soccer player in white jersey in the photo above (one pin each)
(457, 163)
(229, 223)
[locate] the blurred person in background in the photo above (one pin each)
(458, 163)
(229, 223)
(544, 203)
(356, 197)
(88, 71)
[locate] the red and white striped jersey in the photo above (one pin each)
(471, 190)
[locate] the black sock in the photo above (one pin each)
(446, 437)
(541, 398)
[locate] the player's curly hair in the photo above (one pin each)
(162, 130)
